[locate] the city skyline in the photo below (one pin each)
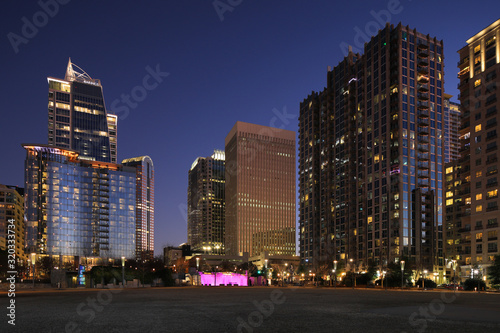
(229, 82)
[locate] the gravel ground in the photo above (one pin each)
(252, 309)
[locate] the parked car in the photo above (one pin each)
(454, 286)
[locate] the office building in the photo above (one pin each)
(371, 157)
(12, 221)
(477, 229)
(77, 116)
(207, 204)
(78, 207)
(451, 125)
(260, 190)
(144, 206)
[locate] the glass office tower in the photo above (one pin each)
(145, 206)
(77, 116)
(78, 208)
(207, 204)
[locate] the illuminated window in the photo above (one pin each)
(449, 194)
(479, 196)
(467, 201)
(479, 236)
(376, 159)
(370, 219)
(477, 83)
(492, 194)
(479, 174)
(449, 170)
(477, 48)
(477, 60)
(449, 202)
(478, 128)
(479, 208)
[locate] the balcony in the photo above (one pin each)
(423, 165)
(423, 157)
(423, 130)
(424, 122)
(491, 225)
(423, 79)
(422, 70)
(423, 105)
(423, 87)
(423, 62)
(423, 113)
(423, 96)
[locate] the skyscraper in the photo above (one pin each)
(260, 190)
(78, 208)
(451, 122)
(12, 226)
(145, 206)
(207, 204)
(477, 228)
(77, 116)
(371, 156)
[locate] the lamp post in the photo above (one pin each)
(454, 264)
(335, 272)
(353, 280)
(33, 260)
(383, 278)
(123, 272)
(423, 281)
(476, 273)
(402, 273)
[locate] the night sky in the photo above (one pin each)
(255, 65)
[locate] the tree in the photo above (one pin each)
(494, 271)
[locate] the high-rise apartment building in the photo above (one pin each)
(260, 190)
(371, 156)
(479, 73)
(77, 207)
(207, 204)
(12, 221)
(451, 124)
(77, 116)
(144, 206)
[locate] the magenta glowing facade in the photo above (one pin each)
(223, 279)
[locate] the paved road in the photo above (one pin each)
(254, 309)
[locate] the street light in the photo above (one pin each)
(476, 272)
(353, 283)
(123, 272)
(335, 272)
(402, 273)
(197, 263)
(33, 260)
(423, 281)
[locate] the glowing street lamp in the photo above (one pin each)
(123, 272)
(402, 273)
(423, 281)
(33, 260)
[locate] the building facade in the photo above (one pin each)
(207, 204)
(77, 116)
(451, 124)
(12, 221)
(77, 207)
(144, 206)
(260, 190)
(477, 229)
(371, 157)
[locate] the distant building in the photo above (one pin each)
(206, 204)
(77, 207)
(12, 221)
(145, 206)
(77, 116)
(173, 253)
(451, 122)
(260, 190)
(477, 230)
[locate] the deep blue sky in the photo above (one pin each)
(264, 55)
